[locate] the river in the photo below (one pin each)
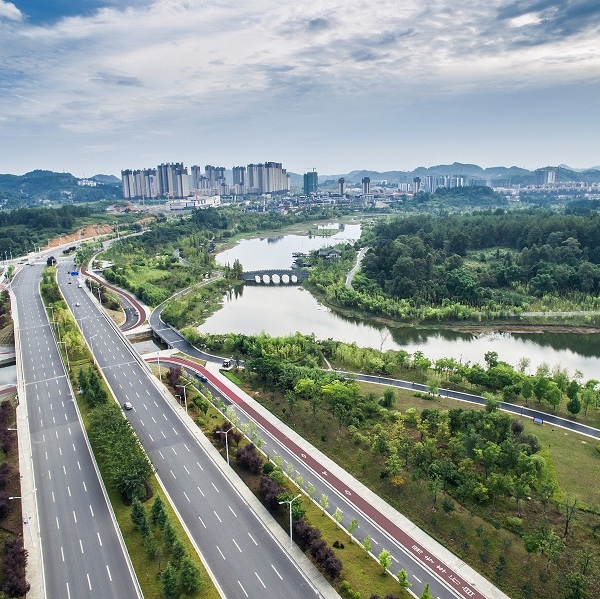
(282, 310)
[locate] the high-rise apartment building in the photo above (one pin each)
(173, 181)
(546, 176)
(416, 184)
(239, 175)
(311, 182)
(139, 184)
(366, 186)
(269, 177)
(215, 175)
(239, 180)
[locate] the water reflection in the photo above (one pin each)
(276, 252)
(283, 310)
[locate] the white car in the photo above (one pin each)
(128, 405)
(77, 304)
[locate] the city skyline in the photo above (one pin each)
(91, 86)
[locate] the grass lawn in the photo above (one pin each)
(360, 571)
(567, 450)
(480, 534)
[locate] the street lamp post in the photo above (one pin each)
(66, 353)
(92, 346)
(51, 308)
(22, 497)
(185, 394)
(226, 433)
(289, 502)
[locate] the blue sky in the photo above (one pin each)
(94, 87)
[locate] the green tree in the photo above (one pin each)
(389, 397)
(552, 546)
(138, 515)
(168, 580)
(190, 579)
(575, 587)
(367, 546)
(491, 359)
(553, 395)
(540, 387)
(158, 513)
(353, 525)
(574, 405)
(324, 502)
(426, 594)
(403, 579)
(433, 385)
(385, 559)
(338, 515)
(178, 551)
(588, 398)
(527, 389)
(169, 535)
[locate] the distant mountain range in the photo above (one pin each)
(40, 185)
(516, 174)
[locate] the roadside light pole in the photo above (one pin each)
(289, 502)
(226, 433)
(185, 395)
(92, 346)
(66, 353)
(28, 522)
(51, 308)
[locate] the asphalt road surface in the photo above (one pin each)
(245, 558)
(83, 555)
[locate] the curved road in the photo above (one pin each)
(350, 275)
(446, 578)
(449, 577)
(135, 314)
(545, 418)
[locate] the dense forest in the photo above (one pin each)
(471, 266)
(432, 259)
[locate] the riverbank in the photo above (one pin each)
(308, 228)
(476, 328)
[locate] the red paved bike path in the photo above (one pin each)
(412, 547)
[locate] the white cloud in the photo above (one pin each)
(197, 68)
(9, 11)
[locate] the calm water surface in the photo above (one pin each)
(282, 310)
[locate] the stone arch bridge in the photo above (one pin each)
(279, 276)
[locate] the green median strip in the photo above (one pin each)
(163, 558)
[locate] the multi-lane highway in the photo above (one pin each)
(245, 558)
(385, 530)
(83, 553)
(424, 559)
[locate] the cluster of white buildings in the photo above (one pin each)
(172, 181)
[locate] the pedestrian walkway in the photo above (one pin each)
(475, 579)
